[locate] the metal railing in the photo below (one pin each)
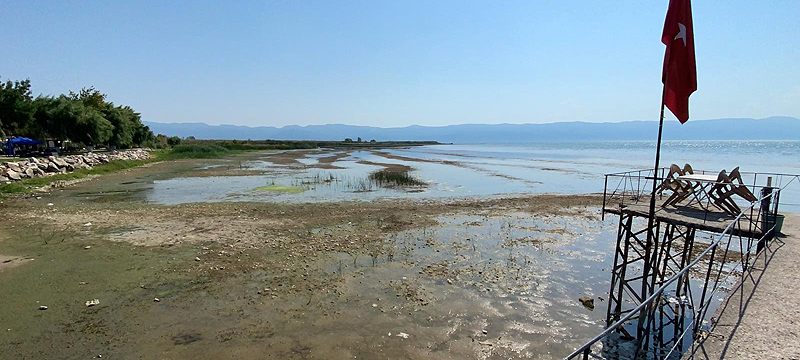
(630, 187)
(761, 213)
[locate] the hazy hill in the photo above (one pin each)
(773, 128)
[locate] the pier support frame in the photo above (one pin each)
(639, 268)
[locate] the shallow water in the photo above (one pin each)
(493, 286)
(457, 171)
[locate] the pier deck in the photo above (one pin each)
(692, 216)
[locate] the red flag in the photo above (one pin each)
(679, 75)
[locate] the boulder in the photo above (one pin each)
(13, 175)
(3, 179)
(60, 162)
(51, 167)
(13, 167)
(587, 301)
(29, 172)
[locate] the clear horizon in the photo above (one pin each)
(385, 64)
(497, 123)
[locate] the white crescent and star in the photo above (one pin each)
(681, 33)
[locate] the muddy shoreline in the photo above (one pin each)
(215, 267)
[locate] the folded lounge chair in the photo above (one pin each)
(680, 189)
(729, 185)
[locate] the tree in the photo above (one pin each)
(142, 136)
(85, 117)
(124, 120)
(91, 97)
(16, 107)
(174, 140)
(64, 117)
(161, 141)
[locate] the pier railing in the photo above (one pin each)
(635, 186)
(681, 306)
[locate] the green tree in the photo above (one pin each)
(142, 136)
(174, 140)
(91, 97)
(16, 107)
(67, 118)
(125, 122)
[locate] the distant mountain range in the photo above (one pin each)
(772, 128)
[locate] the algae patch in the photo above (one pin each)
(281, 189)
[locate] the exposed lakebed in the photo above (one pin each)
(239, 271)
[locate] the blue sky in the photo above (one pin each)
(395, 63)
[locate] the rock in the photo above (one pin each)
(60, 162)
(402, 335)
(87, 247)
(3, 179)
(52, 168)
(13, 175)
(13, 167)
(587, 301)
(197, 259)
(87, 224)
(43, 307)
(156, 299)
(50, 204)
(92, 302)
(29, 172)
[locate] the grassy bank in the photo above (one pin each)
(29, 185)
(188, 151)
(194, 151)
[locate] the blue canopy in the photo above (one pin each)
(23, 141)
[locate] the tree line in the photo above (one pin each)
(83, 117)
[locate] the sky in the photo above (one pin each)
(397, 63)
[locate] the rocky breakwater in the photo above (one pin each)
(38, 167)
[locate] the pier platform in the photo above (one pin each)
(712, 220)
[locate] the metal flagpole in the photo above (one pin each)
(652, 233)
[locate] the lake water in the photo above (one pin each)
(481, 170)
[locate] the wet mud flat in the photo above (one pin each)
(192, 259)
(469, 278)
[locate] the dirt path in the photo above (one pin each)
(761, 319)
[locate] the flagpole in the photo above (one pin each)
(652, 234)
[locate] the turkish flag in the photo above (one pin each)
(680, 74)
